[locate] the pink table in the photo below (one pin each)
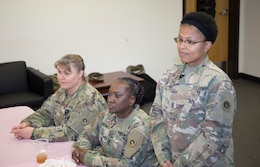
(20, 153)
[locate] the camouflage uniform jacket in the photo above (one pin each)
(62, 117)
(119, 142)
(192, 117)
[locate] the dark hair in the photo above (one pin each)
(204, 22)
(135, 88)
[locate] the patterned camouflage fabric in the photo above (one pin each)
(62, 117)
(119, 142)
(192, 117)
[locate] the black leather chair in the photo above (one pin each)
(22, 85)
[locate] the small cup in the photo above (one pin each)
(40, 146)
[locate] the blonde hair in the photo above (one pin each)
(71, 59)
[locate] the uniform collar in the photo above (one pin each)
(193, 76)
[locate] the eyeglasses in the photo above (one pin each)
(188, 42)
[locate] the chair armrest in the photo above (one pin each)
(39, 82)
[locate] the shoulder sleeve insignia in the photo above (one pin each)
(134, 142)
(226, 105)
(131, 143)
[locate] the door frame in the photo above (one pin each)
(233, 36)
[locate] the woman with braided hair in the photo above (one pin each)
(120, 137)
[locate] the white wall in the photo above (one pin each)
(249, 36)
(108, 34)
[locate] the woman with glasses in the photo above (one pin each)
(195, 103)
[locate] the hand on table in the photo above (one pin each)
(78, 155)
(21, 126)
(22, 131)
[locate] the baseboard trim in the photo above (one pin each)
(249, 77)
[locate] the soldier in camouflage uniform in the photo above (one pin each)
(195, 103)
(120, 137)
(64, 114)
